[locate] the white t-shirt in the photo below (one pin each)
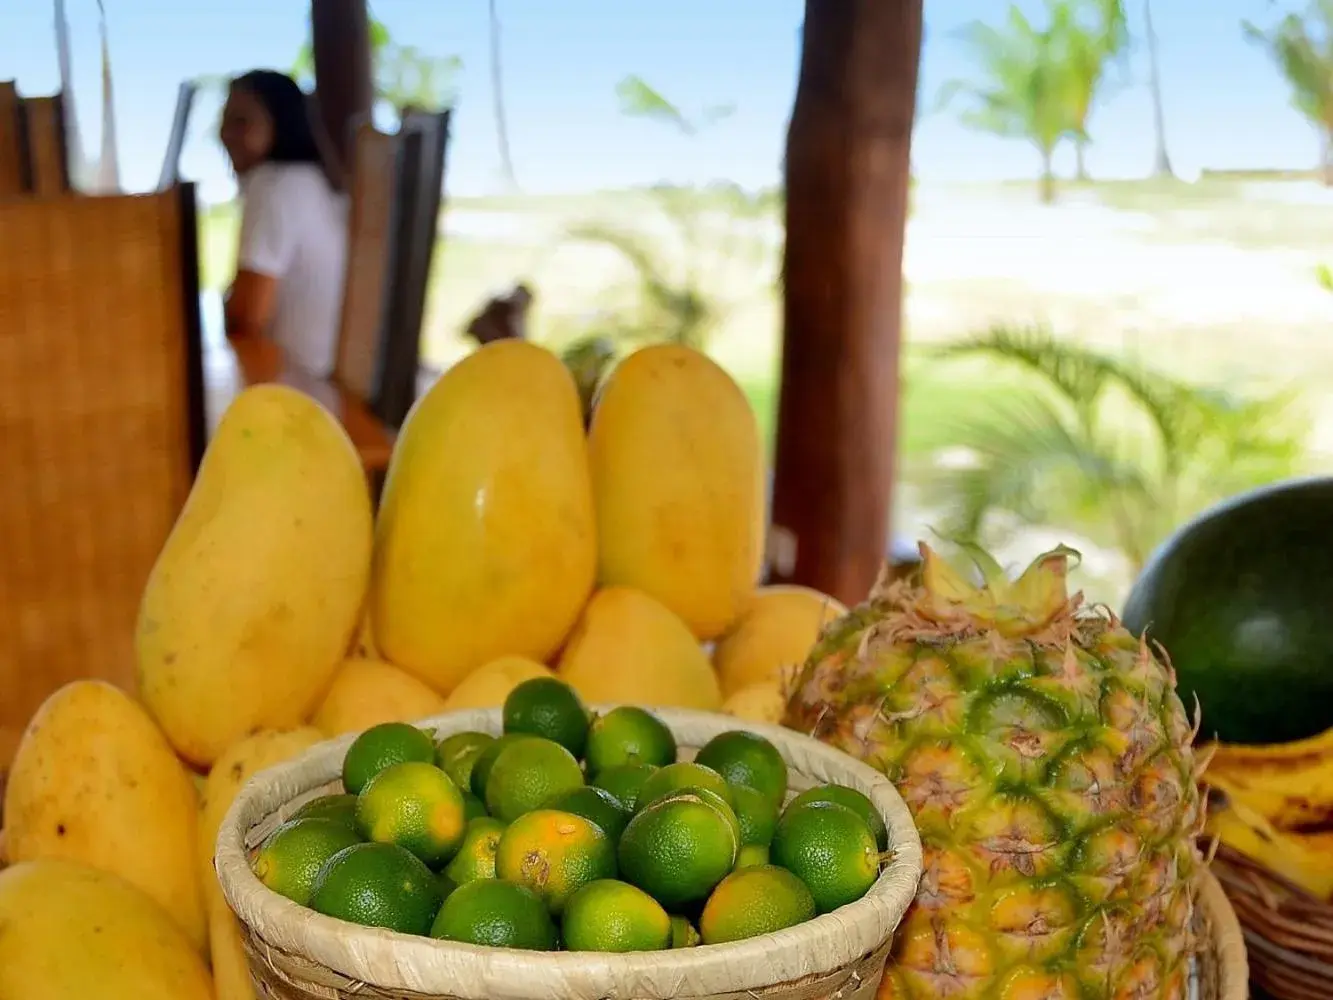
(294, 229)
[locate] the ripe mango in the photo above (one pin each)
(95, 782)
(485, 543)
(237, 765)
(678, 484)
(489, 685)
(630, 648)
(775, 632)
(367, 692)
(69, 932)
(257, 593)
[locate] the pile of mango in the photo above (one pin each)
(512, 540)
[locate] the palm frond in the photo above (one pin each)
(639, 100)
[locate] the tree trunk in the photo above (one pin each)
(1326, 157)
(498, 101)
(847, 163)
(340, 41)
(1080, 160)
(1161, 159)
(1046, 185)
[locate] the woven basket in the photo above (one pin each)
(297, 954)
(1288, 933)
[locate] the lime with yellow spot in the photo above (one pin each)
(614, 916)
(629, 735)
(678, 848)
(528, 775)
(497, 915)
(476, 857)
(830, 849)
(746, 758)
(679, 776)
(625, 782)
(382, 746)
(751, 855)
(754, 901)
(554, 854)
(378, 885)
(457, 752)
(416, 806)
(294, 853)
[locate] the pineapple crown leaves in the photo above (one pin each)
(1014, 607)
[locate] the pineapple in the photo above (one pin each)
(1046, 758)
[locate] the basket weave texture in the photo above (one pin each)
(1288, 933)
(297, 954)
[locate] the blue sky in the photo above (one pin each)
(1226, 106)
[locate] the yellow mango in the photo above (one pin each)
(775, 632)
(485, 543)
(759, 702)
(678, 485)
(629, 647)
(489, 685)
(258, 591)
(70, 932)
(95, 782)
(237, 765)
(367, 692)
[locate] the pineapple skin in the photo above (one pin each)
(1050, 773)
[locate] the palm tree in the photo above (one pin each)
(1161, 159)
(498, 100)
(1090, 35)
(1020, 91)
(1302, 47)
(1100, 445)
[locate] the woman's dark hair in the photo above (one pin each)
(294, 139)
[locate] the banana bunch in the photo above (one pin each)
(1274, 804)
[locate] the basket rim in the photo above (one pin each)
(393, 961)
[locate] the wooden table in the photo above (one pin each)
(224, 378)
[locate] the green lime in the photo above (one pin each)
(625, 782)
(378, 885)
(547, 707)
(415, 806)
(679, 776)
(529, 774)
(294, 853)
(476, 858)
(609, 915)
(678, 848)
(381, 746)
(629, 735)
(447, 885)
(757, 813)
(456, 754)
(745, 758)
(683, 934)
(554, 854)
(830, 849)
(721, 805)
(755, 901)
(751, 855)
(481, 767)
(598, 805)
(337, 807)
(857, 802)
(497, 914)
(473, 807)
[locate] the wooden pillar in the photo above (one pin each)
(847, 168)
(340, 38)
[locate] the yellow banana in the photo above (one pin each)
(1288, 799)
(1303, 861)
(1239, 755)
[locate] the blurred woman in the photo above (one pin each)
(285, 303)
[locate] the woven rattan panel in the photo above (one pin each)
(94, 433)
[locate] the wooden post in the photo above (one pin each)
(340, 38)
(847, 168)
